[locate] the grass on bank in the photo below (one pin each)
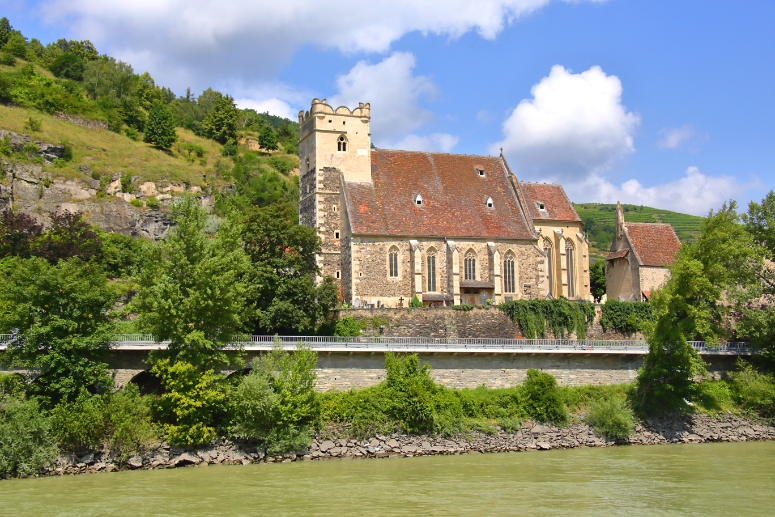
(106, 152)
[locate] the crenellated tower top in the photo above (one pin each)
(339, 138)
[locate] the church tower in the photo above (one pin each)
(334, 146)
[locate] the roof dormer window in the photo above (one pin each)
(490, 204)
(479, 170)
(540, 205)
(418, 200)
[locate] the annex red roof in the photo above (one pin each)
(454, 197)
(617, 254)
(654, 244)
(557, 206)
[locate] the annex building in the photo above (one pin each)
(446, 228)
(640, 258)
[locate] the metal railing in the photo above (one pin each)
(425, 344)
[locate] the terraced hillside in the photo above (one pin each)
(599, 223)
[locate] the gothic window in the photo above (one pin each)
(470, 265)
(431, 270)
(549, 265)
(509, 277)
(569, 266)
(341, 144)
(393, 262)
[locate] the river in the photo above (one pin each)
(698, 479)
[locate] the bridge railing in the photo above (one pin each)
(419, 344)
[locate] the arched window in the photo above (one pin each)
(470, 265)
(549, 265)
(341, 144)
(509, 276)
(431, 259)
(569, 266)
(393, 262)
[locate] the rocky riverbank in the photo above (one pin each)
(679, 428)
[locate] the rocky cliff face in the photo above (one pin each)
(32, 189)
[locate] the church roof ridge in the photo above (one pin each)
(436, 153)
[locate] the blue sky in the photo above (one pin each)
(660, 103)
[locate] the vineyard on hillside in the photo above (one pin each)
(599, 222)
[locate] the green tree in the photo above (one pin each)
(6, 31)
(267, 139)
(220, 124)
(61, 313)
(758, 322)
(191, 289)
(16, 46)
(68, 66)
(709, 278)
(597, 279)
(160, 128)
(277, 402)
(283, 293)
(26, 443)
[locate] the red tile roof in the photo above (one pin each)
(654, 244)
(617, 254)
(557, 206)
(454, 197)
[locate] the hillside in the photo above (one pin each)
(599, 223)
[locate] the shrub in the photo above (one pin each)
(130, 426)
(463, 307)
(132, 133)
(754, 391)
(543, 401)
(34, 124)
(67, 150)
(193, 149)
(277, 402)
(192, 402)
(229, 148)
(409, 392)
(7, 59)
(26, 444)
(11, 384)
(347, 327)
(611, 417)
(80, 425)
(152, 203)
(136, 202)
(415, 302)
(281, 164)
(126, 183)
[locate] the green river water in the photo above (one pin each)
(728, 479)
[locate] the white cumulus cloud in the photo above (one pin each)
(574, 126)
(672, 138)
(694, 193)
(394, 93)
(191, 42)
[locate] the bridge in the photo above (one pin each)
(354, 362)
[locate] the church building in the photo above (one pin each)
(640, 258)
(446, 228)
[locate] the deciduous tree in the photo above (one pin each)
(160, 127)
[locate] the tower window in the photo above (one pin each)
(336, 235)
(334, 208)
(338, 275)
(341, 144)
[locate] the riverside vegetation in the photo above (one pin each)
(58, 293)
